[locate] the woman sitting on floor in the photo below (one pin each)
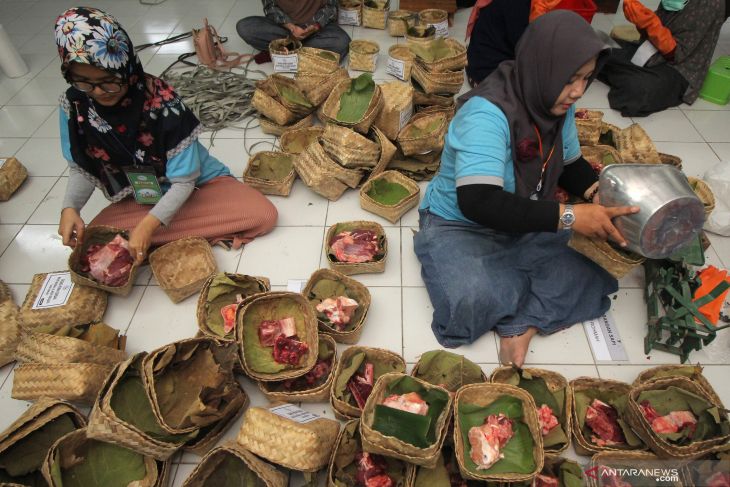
(121, 126)
(493, 239)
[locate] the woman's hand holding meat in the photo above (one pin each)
(71, 227)
(141, 237)
(594, 221)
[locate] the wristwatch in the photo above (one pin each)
(568, 217)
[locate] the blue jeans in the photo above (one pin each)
(479, 279)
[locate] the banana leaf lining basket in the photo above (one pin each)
(399, 21)
(182, 267)
(693, 372)
(273, 128)
(393, 212)
(295, 141)
(328, 111)
(423, 133)
(226, 456)
(270, 172)
(376, 265)
(455, 60)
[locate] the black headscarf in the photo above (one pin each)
(148, 126)
(549, 53)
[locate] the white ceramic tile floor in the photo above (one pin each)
(400, 315)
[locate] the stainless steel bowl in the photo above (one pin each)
(670, 213)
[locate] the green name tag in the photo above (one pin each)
(146, 188)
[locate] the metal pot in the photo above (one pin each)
(670, 213)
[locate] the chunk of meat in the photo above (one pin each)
(545, 481)
(371, 470)
(269, 330)
(321, 369)
(582, 114)
(229, 317)
(338, 310)
(602, 419)
(355, 246)
(719, 479)
(108, 264)
(488, 440)
(410, 402)
(546, 418)
(361, 385)
(673, 422)
(289, 350)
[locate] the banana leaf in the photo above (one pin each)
(689, 371)
(97, 463)
(618, 400)
(355, 363)
(387, 193)
(331, 288)
(570, 474)
(433, 51)
(448, 370)
(421, 32)
(258, 357)
(415, 130)
(440, 476)
(517, 452)
(326, 354)
(294, 96)
(710, 422)
(272, 167)
(222, 292)
(26, 456)
(233, 471)
(330, 56)
(95, 333)
(300, 141)
(355, 101)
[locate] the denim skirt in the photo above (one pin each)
(479, 280)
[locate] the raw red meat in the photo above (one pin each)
(108, 264)
(338, 311)
(269, 330)
(488, 439)
(581, 114)
(411, 403)
(289, 350)
(229, 317)
(379, 481)
(673, 422)
(361, 385)
(321, 369)
(355, 246)
(719, 479)
(602, 419)
(545, 481)
(371, 470)
(546, 418)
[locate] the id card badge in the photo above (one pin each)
(144, 182)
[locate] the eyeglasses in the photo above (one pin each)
(106, 86)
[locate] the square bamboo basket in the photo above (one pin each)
(392, 213)
(12, 176)
(349, 268)
(182, 267)
(280, 187)
(267, 474)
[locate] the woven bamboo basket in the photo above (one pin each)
(328, 111)
(423, 99)
(356, 291)
(623, 459)
(12, 175)
(399, 21)
(671, 160)
(294, 141)
(9, 328)
(704, 193)
(433, 16)
(105, 425)
(321, 61)
(449, 112)
(51, 349)
(353, 8)
(316, 394)
(260, 303)
(376, 442)
(693, 372)
(446, 82)
(314, 168)
(266, 474)
(212, 435)
(182, 267)
(272, 128)
(582, 445)
(455, 61)
(261, 284)
(314, 440)
(99, 235)
(349, 176)
(280, 187)
(349, 268)
(658, 445)
(484, 395)
(349, 148)
(318, 86)
(222, 398)
(375, 18)
(609, 134)
(420, 35)
(397, 108)
(616, 262)
(601, 154)
(423, 142)
(345, 410)
(278, 47)
(554, 381)
(75, 382)
(68, 449)
(85, 305)
(400, 62)
(271, 109)
(392, 213)
(635, 145)
(589, 128)
(387, 151)
(451, 386)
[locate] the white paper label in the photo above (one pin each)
(605, 340)
(348, 17)
(2, 163)
(290, 411)
(442, 28)
(55, 291)
(285, 63)
(644, 53)
(396, 67)
(295, 285)
(405, 116)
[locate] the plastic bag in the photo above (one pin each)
(718, 177)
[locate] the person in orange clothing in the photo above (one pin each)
(679, 40)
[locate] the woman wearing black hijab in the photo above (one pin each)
(493, 239)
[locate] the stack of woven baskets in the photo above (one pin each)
(282, 104)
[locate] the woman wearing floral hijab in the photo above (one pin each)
(121, 126)
(493, 239)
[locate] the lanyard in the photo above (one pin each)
(542, 157)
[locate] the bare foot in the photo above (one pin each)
(512, 350)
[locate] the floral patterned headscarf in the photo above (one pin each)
(149, 125)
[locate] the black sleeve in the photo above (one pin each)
(489, 205)
(577, 177)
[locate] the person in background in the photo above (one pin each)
(313, 22)
(120, 125)
(680, 38)
(492, 238)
